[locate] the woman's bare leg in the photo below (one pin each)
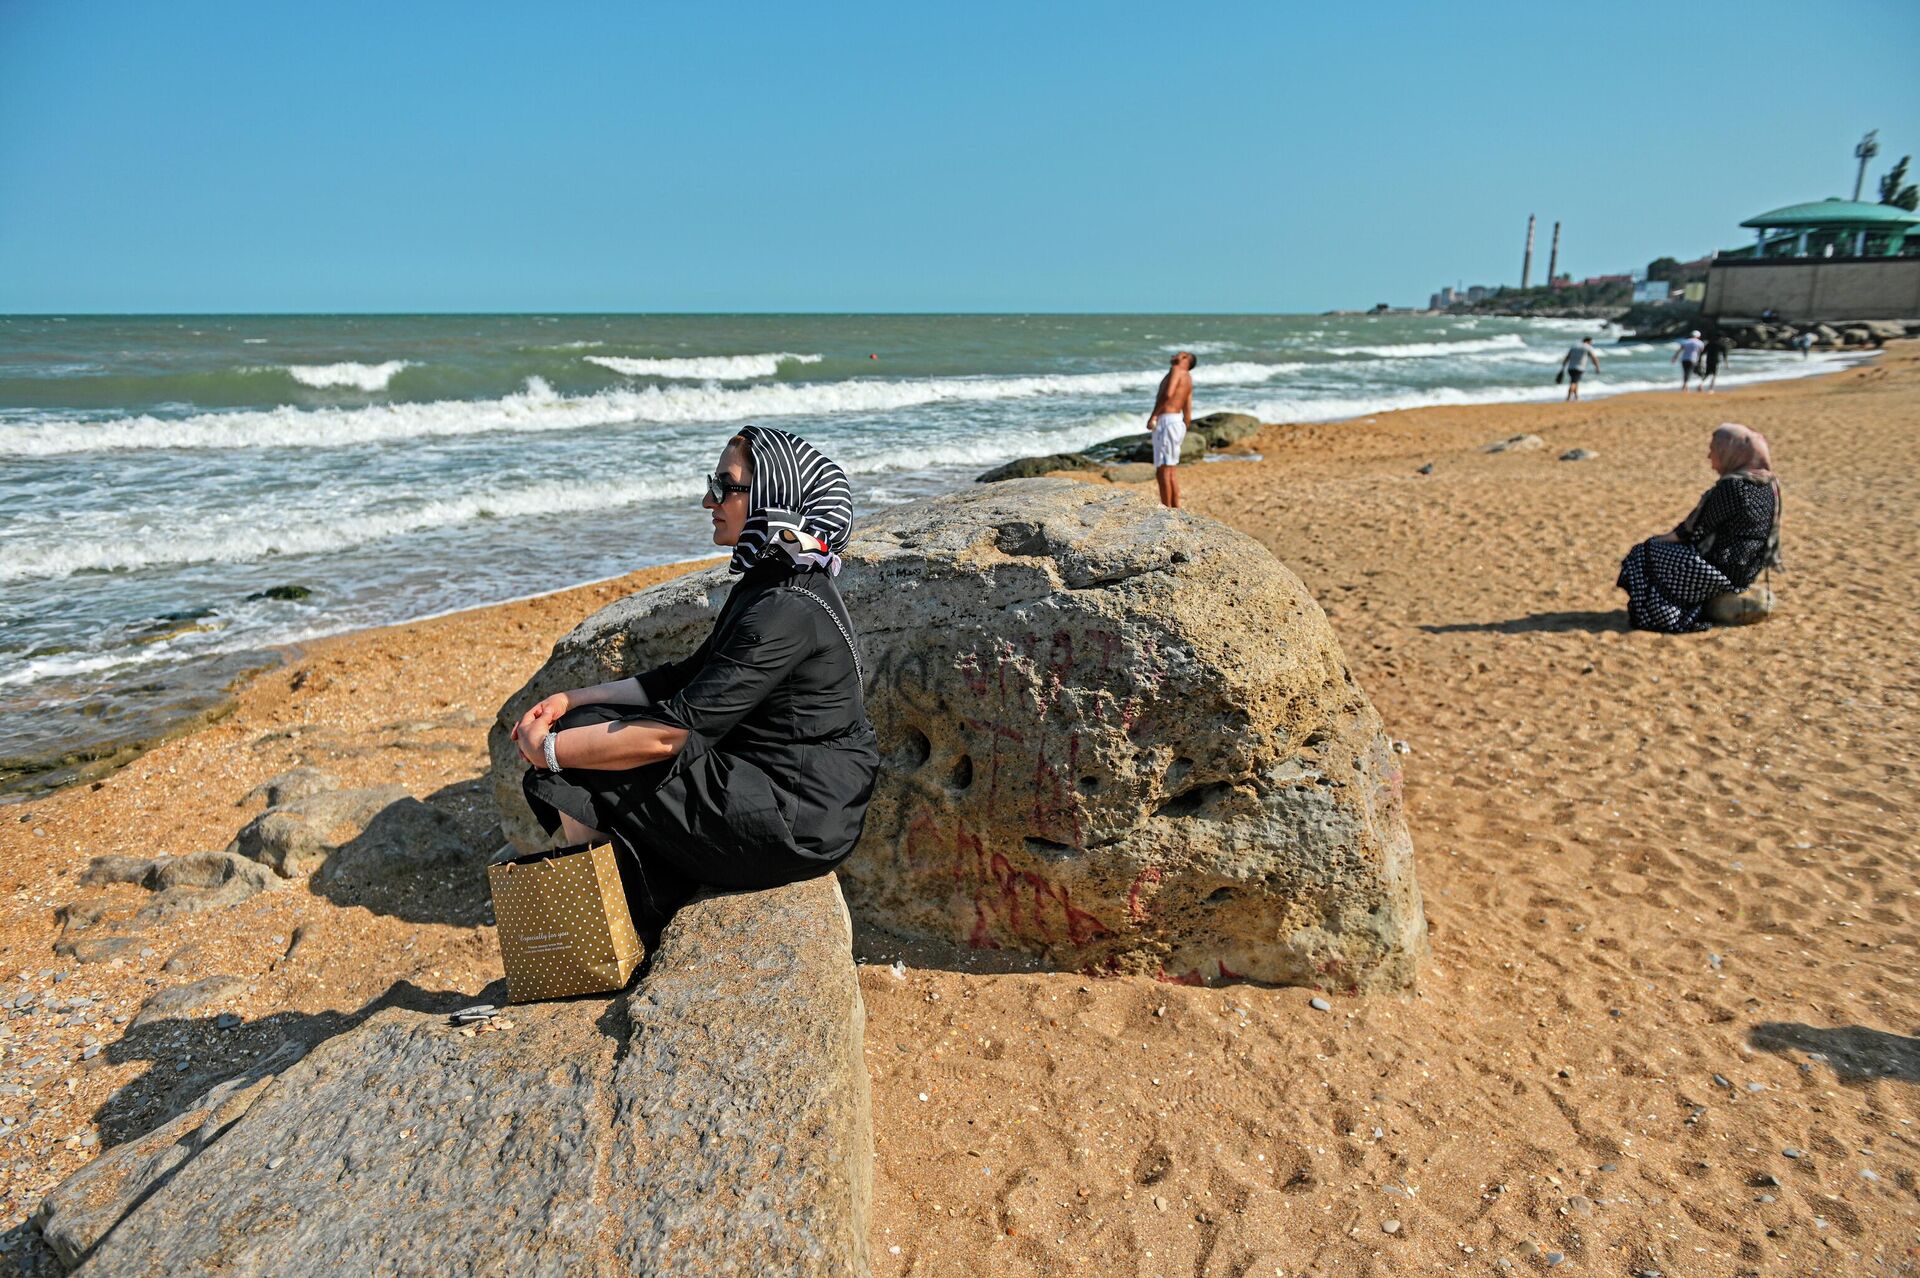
(574, 832)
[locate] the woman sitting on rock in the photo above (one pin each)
(750, 763)
(1731, 536)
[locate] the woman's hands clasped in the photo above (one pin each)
(530, 734)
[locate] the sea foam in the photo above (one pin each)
(190, 539)
(364, 377)
(720, 368)
(1336, 408)
(538, 408)
(1420, 350)
(187, 538)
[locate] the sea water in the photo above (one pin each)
(155, 472)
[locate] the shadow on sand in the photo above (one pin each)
(1857, 1054)
(1614, 622)
(190, 1055)
(422, 861)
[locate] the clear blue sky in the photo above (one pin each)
(982, 156)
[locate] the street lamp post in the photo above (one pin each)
(1868, 148)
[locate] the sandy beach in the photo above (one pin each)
(1669, 1022)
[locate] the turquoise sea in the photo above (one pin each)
(155, 472)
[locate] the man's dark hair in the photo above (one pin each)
(1193, 361)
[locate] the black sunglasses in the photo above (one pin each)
(719, 486)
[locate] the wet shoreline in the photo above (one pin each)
(103, 734)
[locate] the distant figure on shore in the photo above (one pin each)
(1688, 356)
(1574, 365)
(1805, 342)
(750, 763)
(1168, 422)
(1716, 352)
(1732, 536)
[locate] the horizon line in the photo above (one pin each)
(404, 314)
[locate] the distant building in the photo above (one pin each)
(1450, 296)
(1832, 228)
(1606, 279)
(1827, 260)
(1648, 291)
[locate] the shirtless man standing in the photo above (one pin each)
(1168, 423)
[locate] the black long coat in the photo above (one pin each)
(773, 781)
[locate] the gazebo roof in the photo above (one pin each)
(1837, 212)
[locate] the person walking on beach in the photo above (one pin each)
(1688, 356)
(1172, 415)
(1711, 358)
(1574, 365)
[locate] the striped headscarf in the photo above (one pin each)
(797, 486)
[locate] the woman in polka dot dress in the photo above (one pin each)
(750, 763)
(1732, 535)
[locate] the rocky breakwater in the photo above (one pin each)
(714, 1120)
(1117, 739)
(1129, 458)
(1660, 323)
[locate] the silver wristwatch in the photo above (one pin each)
(553, 761)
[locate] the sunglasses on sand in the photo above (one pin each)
(719, 487)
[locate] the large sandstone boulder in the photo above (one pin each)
(1117, 738)
(714, 1121)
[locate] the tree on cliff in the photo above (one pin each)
(1663, 268)
(1896, 190)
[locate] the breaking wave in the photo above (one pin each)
(721, 368)
(539, 408)
(1205, 348)
(190, 541)
(1418, 350)
(363, 377)
(1320, 409)
(161, 542)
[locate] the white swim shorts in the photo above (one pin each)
(1169, 432)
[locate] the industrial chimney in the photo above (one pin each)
(1553, 258)
(1526, 263)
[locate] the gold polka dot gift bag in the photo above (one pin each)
(563, 923)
